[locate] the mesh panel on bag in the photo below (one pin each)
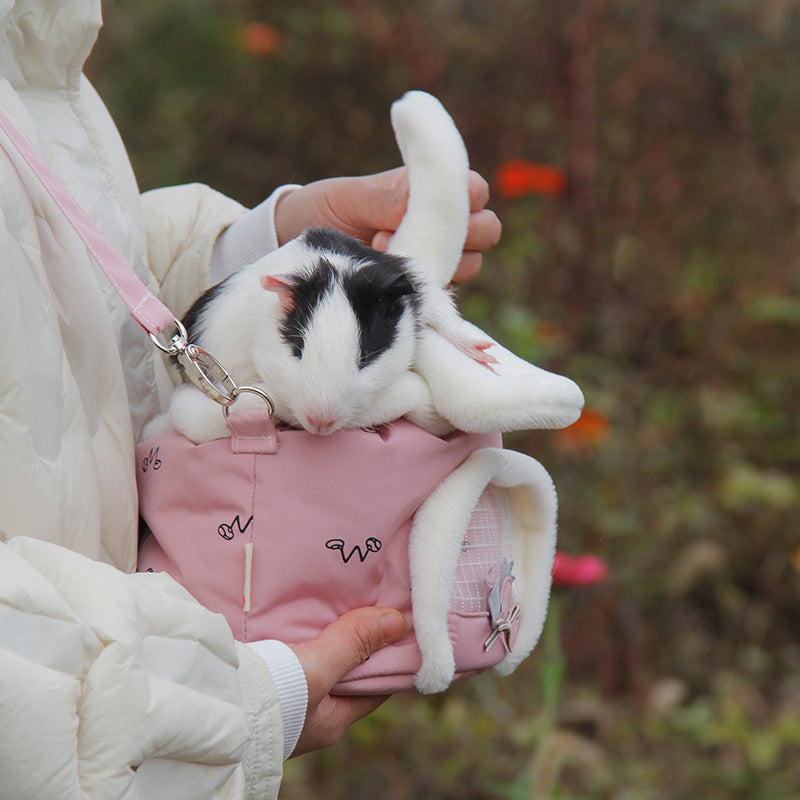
(481, 551)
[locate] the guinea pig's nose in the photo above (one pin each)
(320, 423)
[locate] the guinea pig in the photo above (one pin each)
(324, 325)
(328, 327)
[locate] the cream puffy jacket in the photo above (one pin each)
(112, 685)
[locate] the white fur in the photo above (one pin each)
(508, 393)
(434, 227)
(514, 395)
(435, 542)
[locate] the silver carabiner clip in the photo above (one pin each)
(207, 374)
(177, 343)
(199, 367)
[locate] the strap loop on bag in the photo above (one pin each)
(252, 431)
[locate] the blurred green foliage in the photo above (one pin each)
(666, 281)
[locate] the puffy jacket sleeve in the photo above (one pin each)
(145, 694)
(182, 224)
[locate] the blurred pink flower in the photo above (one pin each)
(582, 570)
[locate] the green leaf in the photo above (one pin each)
(745, 485)
(774, 308)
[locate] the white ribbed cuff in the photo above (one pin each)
(289, 681)
(252, 236)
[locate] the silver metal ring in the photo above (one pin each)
(251, 390)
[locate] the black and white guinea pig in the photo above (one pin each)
(329, 327)
(324, 325)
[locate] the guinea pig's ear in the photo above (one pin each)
(283, 286)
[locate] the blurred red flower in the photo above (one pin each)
(582, 570)
(260, 39)
(516, 178)
(590, 428)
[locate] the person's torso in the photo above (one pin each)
(71, 405)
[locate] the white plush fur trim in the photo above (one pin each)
(532, 547)
(435, 542)
(515, 395)
(434, 227)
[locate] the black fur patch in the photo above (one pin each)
(327, 240)
(380, 293)
(193, 318)
(379, 289)
(307, 292)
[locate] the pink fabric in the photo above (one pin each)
(326, 522)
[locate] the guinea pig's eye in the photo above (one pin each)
(389, 305)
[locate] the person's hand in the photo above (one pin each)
(340, 647)
(370, 209)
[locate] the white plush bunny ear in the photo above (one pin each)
(434, 228)
(507, 395)
(474, 383)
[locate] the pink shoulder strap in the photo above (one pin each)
(145, 307)
(202, 369)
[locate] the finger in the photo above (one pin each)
(478, 191)
(380, 241)
(396, 178)
(346, 643)
(369, 206)
(341, 712)
(469, 266)
(483, 231)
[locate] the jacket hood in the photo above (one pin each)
(44, 43)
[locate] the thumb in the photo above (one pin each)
(344, 644)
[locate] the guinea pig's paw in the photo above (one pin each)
(429, 419)
(196, 416)
(444, 318)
